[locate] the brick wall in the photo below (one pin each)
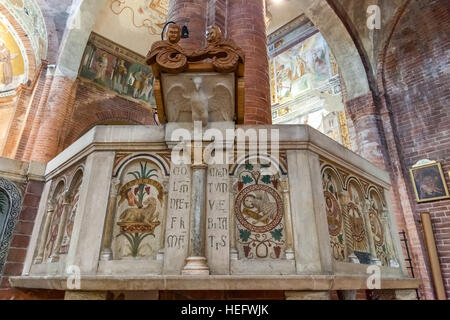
(18, 248)
(95, 105)
(417, 84)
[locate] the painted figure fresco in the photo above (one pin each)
(302, 67)
(28, 14)
(305, 85)
(129, 79)
(12, 68)
(258, 210)
(139, 212)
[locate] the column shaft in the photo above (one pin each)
(246, 26)
(191, 13)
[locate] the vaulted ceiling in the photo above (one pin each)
(281, 12)
(134, 24)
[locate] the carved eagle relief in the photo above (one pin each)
(199, 101)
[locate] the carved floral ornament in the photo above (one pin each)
(219, 55)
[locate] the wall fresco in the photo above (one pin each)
(305, 86)
(29, 16)
(12, 64)
(117, 69)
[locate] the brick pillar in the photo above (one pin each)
(366, 121)
(34, 130)
(17, 124)
(191, 13)
(60, 97)
(217, 14)
(246, 26)
(33, 113)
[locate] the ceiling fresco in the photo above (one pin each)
(13, 59)
(134, 24)
(148, 14)
(29, 16)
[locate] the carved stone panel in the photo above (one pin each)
(206, 97)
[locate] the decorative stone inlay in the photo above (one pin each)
(259, 213)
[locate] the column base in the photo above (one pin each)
(106, 255)
(234, 255)
(197, 266)
(160, 256)
(290, 255)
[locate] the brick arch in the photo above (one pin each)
(97, 106)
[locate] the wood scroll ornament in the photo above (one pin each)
(219, 55)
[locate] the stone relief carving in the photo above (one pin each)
(59, 217)
(200, 97)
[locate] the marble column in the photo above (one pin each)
(107, 253)
(196, 263)
(160, 255)
(234, 255)
(290, 255)
(373, 252)
(344, 198)
(61, 97)
(191, 13)
(247, 27)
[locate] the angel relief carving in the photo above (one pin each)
(200, 98)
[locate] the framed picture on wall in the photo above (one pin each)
(429, 182)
